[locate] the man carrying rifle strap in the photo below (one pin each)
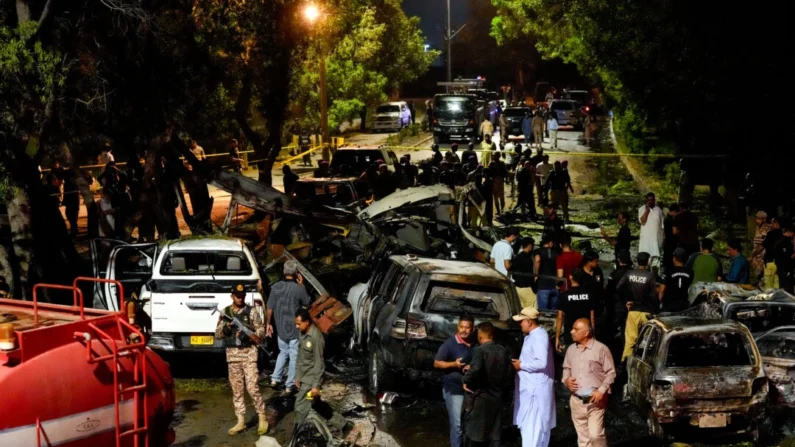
(241, 357)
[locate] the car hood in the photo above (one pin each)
(406, 197)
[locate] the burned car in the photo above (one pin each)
(334, 192)
(694, 376)
(777, 347)
(759, 312)
(411, 306)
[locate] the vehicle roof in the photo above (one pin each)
(205, 243)
(446, 267)
(392, 103)
(563, 100)
(326, 179)
(693, 325)
(518, 107)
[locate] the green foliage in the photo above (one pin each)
(370, 48)
(29, 75)
(396, 139)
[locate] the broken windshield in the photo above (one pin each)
(759, 317)
(708, 349)
(460, 299)
(778, 347)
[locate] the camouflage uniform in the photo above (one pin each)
(758, 255)
(242, 360)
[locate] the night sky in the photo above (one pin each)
(433, 17)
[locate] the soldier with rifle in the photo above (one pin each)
(241, 327)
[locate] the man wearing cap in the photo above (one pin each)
(285, 298)
(309, 375)
(588, 372)
(640, 286)
(534, 396)
(241, 357)
(502, 251)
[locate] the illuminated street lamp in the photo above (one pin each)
(312, 14)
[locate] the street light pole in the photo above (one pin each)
(324, 139)
(449, 46)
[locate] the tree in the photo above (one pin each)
(371, 47)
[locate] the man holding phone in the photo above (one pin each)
(286, 297)
(453, 357)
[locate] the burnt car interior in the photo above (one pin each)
(708, 349)
(453, 298)
(760, 317)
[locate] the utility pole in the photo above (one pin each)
(324, 135)
(449, 46)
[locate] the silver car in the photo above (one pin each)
(567, 112)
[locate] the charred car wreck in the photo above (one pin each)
(698, 377)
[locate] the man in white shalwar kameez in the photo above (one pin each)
(651, 216)
(534, 398)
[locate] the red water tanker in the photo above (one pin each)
(77, 377)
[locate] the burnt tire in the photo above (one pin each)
(380, 377)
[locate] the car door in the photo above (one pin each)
(645, 367)
(380, 298)
(101, 249)
(132, 266)
(635, 364)
(387, 317)
(405, 115)
(366, 304)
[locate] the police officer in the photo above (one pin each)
(309, 374)
(241, 356)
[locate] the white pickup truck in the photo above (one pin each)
(179, 282)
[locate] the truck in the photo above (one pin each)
(456, 116)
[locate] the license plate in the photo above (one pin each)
(714, 420)
(202, 340)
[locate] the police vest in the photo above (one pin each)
(245, 317)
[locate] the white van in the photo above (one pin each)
(392, 116)
(180, 283)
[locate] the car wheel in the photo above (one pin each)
(379, 374)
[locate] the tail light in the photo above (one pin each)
(435, 121)
(662, 389)
(759, 386)
(415, 329)
(471, 122)
(587, 109)
(398, 329)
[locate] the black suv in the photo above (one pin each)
(411, 306)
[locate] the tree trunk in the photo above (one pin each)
(6, 270)
(21, 237)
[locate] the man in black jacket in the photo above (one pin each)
(489, 374)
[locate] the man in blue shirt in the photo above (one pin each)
(738, 270)
(453, 357)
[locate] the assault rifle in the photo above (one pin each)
(240, 327)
